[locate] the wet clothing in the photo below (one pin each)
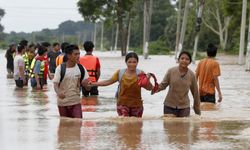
(129, 111)
(130, 92)
(91, 92)
(206, 70)
(19, 83)
(70, 85)
(179, 86)
(18, 62)
(208, 98)
(52, 55)
(73, 111)
(184, 112)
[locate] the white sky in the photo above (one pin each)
(35, 15)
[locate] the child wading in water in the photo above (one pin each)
(129, 101)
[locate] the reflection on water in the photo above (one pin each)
(30, 120)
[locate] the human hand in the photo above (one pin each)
(197, 111)
(220, 98)
(61, 95)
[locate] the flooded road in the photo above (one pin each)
(29, 119)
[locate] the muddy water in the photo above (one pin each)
(29, 119)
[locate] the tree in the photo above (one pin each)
(118, 10)
(217, 20)
(1, 27)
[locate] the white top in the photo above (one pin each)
(18, 62)
(70, 85)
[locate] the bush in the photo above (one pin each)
(158, 48)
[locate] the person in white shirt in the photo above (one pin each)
(19, 67)
(67, 85)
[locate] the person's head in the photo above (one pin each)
(63, 46)
(20, 49)
(46, 45)
(131, 60)
(211, 50)
(184, 59)
(56, 46)
(23, 42)
(41, 50)
(73, 53)
(88, 46)
(12, 47)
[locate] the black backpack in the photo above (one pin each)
(63, 71)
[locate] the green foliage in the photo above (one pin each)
(158, 48)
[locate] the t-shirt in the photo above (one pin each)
(18, 62)
(52, 55)
(70, 85)
(179, 86)
(130, 92)
(206, 70)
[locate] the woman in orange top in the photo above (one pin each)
(129, 101)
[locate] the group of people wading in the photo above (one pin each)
(71, 74)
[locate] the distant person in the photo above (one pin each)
(52, 55)
(62, 57)
(26, 59)
(207, 73)
(9, 55)
(31, 53)
(19, 67)
(92, 64)
(47, 47)
(37, 69)
(129, 101)
(180, 80)
(67, 81)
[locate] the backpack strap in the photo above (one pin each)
(82, 71)
(122, 71)
(63, 71)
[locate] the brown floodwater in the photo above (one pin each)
(29, 119)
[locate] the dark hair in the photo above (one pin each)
(55, 44)
(131, 55)
(211, 50)
(63, 46)
(20, 48)
(23, 42)
(46, 44)
(187, 53)
(69, 49)
(88, 46)
(41, 50)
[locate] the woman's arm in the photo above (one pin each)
(103, 83)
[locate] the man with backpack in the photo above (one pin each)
(69, 77)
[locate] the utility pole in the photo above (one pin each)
(116, 36)
(94, 38)
(146, 25)
(183, 27)
(178, 30)
(248, 48)
(242, 32)
(198, 27)
(128, 37)
(102, 36)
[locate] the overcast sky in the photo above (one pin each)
(35, 15)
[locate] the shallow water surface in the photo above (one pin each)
(30, 120)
